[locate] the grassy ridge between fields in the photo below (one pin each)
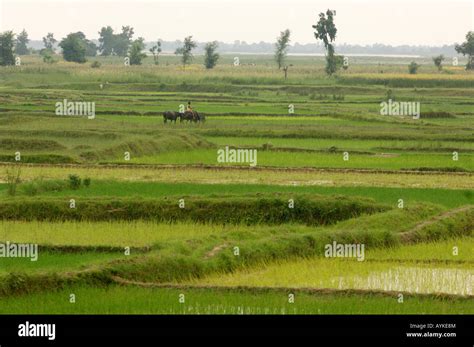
(176, 261)
(316, 210)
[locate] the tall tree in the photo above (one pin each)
(123, 41)
(110, 43)
(156, 50)
(438, 61)
(21, 43)
(74, 47)
(106, 41)
(281, 48)
(325, 30)
(49, 42)
(186, 51)
(210, 55)
(7, 44)
(467, 48)
(91, 47)
(48, 56)
(127, 32)
(136, 51)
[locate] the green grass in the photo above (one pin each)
(445, 197)
(205, 176)
(246, 106)
(392, 270)
(438, 251)
(177, 260)
(351, 274)
(57, 262)
(105, 234)
(116, 300)
(148, 234)
(343, 144)
(318, 160)
(249, 210)
(174, 260)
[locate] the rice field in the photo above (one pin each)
(59, 262)
(429, 268)
(383, 161)
(116, 300)
(147, 189)
(112, 234)
(139, 233)
(342, 144)
(317, 285)
(350, 274)
(402, 187)
(205, 176)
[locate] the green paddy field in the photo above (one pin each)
(134, 215)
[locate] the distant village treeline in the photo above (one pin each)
(309, 48)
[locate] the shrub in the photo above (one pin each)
(95, 64)
(87, 182)
(413, 68)
(39, 186)
(48, 57)
(74, 182)
(438, 61)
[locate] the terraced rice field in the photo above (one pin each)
(134, 215)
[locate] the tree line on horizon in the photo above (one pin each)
(75, 47)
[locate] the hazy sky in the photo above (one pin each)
(430, 22)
